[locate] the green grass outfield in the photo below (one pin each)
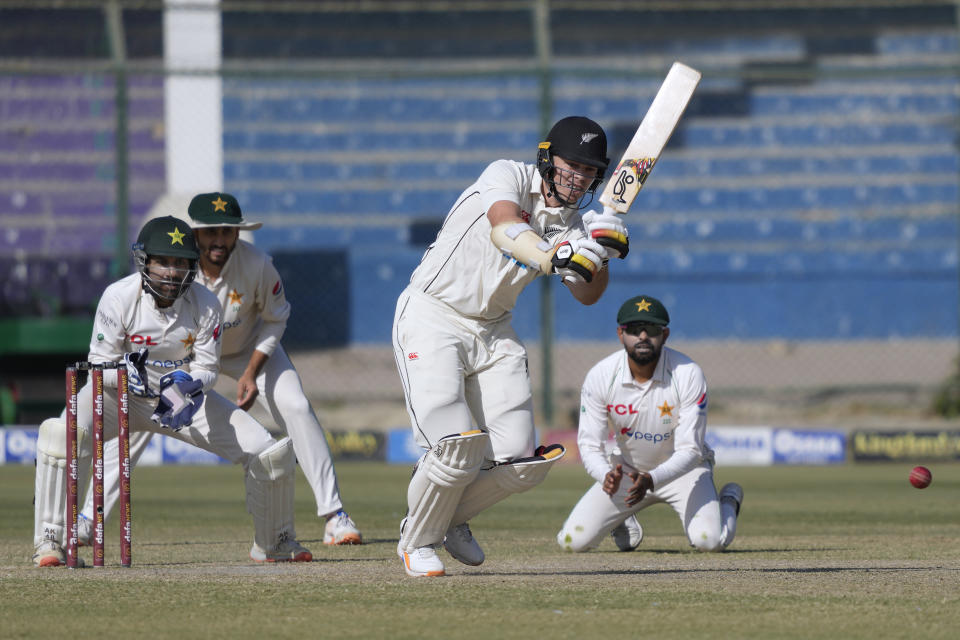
(821, 552)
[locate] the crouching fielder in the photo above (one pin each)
(166, 332)
(654, 399)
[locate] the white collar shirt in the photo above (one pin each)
(464, 269)
(658, 426)
(185, 335)
(251, 294)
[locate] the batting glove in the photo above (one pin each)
(578, 260)
(607, 229)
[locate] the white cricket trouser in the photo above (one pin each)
(709, 525)
(218, 427)
(281, 395)
(459, 372)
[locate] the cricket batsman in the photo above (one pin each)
(463, 368)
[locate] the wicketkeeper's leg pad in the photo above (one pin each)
(50, 484)
(437, 484)
(270, 483)
(504, 480)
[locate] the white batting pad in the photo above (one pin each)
(270, 480)
(504, 480)
(438, 483)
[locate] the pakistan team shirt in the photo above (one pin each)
(659, 426)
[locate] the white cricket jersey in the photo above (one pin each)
(185, 335)
(464, 269)
(255, 307)
(659, 426)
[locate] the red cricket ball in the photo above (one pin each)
(920, 477)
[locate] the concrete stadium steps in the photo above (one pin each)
(433, 198)
(778, 118)
(913, 42)
(589, 29)
(65, 285)
(57, 163)
(846, 233)
(84, 168)
(366, 137)
(56, 235)
(297, 169)
(32, 200)
(803, 294)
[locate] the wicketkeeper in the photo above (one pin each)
(255, 314)
(166, 332)
(463, 368)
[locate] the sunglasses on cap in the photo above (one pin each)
(652, 330)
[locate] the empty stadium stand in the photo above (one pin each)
(838, 180)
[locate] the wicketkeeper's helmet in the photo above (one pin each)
(171, 237)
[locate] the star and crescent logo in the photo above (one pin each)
(643, 305)
(176, 236)
(235, 297)
(666, 410)
(219, 204)
(188, 341)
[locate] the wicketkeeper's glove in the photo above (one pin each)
(137, 382)
(180, 398)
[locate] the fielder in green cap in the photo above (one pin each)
(218, 210)
(166, 257)
(653, 401)
(255, 312)
(165, 330)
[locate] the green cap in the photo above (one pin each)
(646, 309)
(218, 210)
(167, 236)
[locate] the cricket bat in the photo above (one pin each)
(651, 137)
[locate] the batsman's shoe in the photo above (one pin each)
(734, 492)
(51, 554)
(341, 529)
(286, 550)
(460, 543)
(628, 535)
(422, 562)
(84, 531)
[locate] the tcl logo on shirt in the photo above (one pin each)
(145, 340)
(621, 409)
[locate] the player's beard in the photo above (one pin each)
(218, 254)
(644, 356)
